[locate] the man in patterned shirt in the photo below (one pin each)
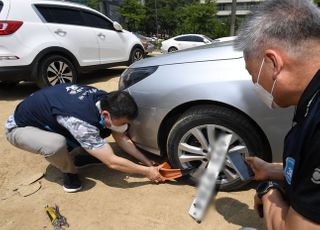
(57, 121)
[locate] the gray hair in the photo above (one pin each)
(279, 23)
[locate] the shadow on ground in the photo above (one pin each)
(107, 176)
(24, 89)
(101, 75)
(238, 213)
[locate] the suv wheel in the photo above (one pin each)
(55, 70)
(195, 133)
(136, 55)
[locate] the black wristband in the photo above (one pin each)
(266, 186)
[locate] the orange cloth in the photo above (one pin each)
(169, 173)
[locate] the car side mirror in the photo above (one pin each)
(206, 41)
(117, 26)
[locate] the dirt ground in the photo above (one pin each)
(110, 199)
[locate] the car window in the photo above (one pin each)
(182, 38)
(1, 5)
(62, 15)
(94, 20)
(197, 39)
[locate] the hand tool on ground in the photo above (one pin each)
(170, 174)
(57, 220)
(208, 182)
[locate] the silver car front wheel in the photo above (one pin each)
(195, 145)
(194, 135)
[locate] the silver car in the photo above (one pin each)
(187, 99)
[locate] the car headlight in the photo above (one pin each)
(133, 75)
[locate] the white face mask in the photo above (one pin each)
(264, 95)
(118, 129)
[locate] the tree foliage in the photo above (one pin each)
(201, 19)
(317, 2)
(133, 13)
(91, 3)
(172, 17)
(163, 14)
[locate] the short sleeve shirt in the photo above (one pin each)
(301, 158)
(86, 134)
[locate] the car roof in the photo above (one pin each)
(181, 35)
(60, 3)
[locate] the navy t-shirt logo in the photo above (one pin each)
(316, 176)
(288, 171)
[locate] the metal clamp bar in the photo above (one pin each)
(208, 181)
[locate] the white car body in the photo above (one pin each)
(85, 44)
(184, 41)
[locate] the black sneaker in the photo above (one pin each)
(71, 182)
(82, 161)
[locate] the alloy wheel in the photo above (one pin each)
(138, 55)
(196, 144)
(59, 72)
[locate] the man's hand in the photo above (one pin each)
(264, 170)
(154, 175)
(259, 167)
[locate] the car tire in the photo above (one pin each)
(221, 119)
(172, 49)
(136, 55)
(55, 70)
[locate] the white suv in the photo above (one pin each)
(52, 42)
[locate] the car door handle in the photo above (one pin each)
(102, 36)
(60, 32)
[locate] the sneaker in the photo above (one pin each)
(82, 161)
(71, 182)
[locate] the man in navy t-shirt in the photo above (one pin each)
(58, 121)
(281, 44)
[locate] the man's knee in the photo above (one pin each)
(57, 144)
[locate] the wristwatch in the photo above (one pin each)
(266, 186)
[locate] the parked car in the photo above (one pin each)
(184, 41)
(148, 43)
(51, 42)
(225, 39)
(190, 98)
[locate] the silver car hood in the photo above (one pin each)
(220, 51)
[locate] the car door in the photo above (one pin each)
(197, 41)
(113, 44)
(68, 27)
(182, 42)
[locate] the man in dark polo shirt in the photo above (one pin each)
(57, 121)
(281, 44)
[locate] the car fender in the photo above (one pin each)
(52, 51)
(203, 81)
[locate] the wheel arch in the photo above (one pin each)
(169, 120)
(53, 51)
(173, 47)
